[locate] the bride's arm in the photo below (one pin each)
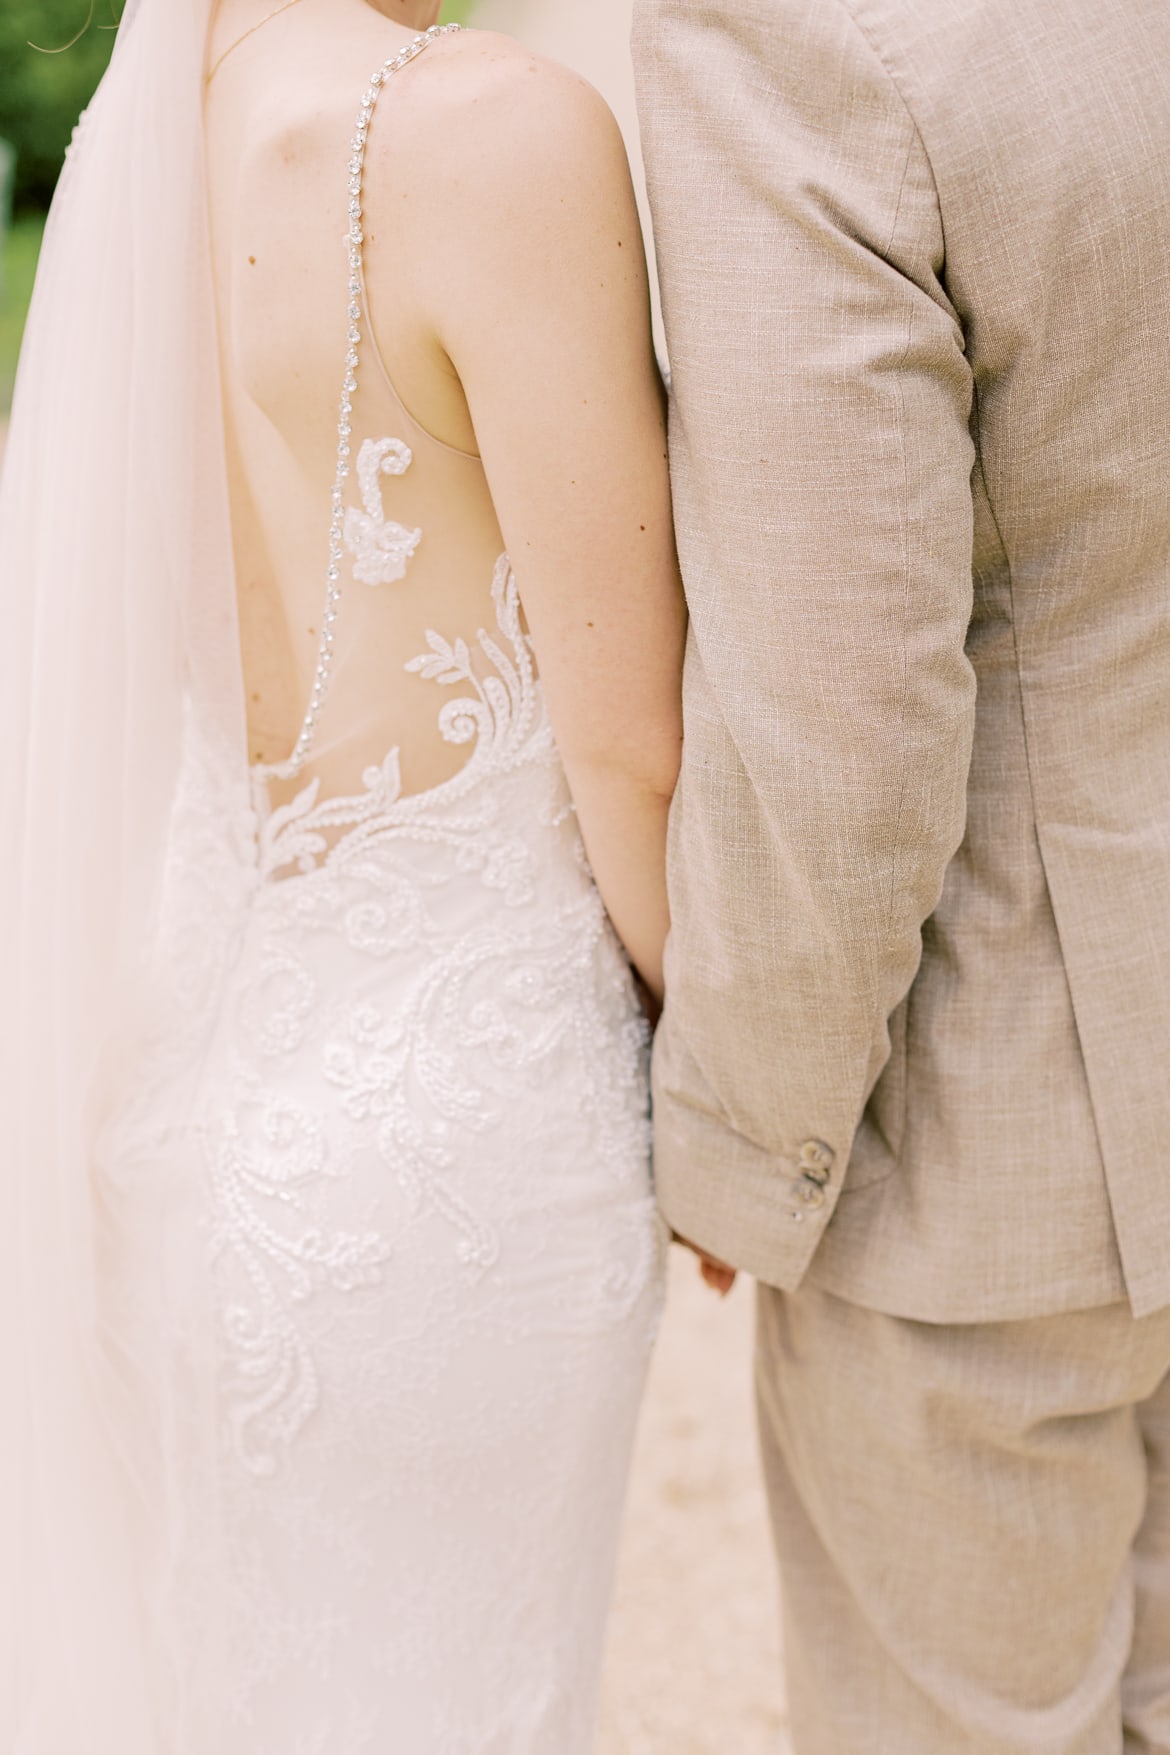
(537, 283)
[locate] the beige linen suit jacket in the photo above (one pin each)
(915, 258)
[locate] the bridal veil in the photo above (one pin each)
(119, 633)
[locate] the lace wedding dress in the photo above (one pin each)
(418, 1176)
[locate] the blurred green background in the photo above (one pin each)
(41, 96)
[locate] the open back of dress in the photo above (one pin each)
(367, 550)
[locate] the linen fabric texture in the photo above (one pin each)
(973, 1526)
(916, 269)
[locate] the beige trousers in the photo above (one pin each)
(973, 1527)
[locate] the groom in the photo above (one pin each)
(914, 1072)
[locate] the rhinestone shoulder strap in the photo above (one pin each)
(288, 770)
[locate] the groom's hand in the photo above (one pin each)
(716, 1274)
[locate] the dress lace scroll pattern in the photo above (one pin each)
(420, 968)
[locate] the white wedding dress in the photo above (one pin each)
(411, 1178)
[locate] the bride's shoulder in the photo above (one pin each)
(472, 68)
(492, 120)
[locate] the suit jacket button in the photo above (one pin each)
(816, 1161)
(812, 1193)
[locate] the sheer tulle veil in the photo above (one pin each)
(118, 653)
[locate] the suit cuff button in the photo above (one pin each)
(816, 1162)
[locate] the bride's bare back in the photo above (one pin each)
(280, 128)
(506, 319)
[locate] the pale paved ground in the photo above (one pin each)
(694, 1663)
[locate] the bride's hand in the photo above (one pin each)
(716, 1274)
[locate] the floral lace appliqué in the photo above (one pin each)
(382, 548)
(503, 716)
(421, 975)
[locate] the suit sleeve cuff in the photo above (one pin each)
(760, 1211)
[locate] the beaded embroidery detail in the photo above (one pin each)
(381, 547)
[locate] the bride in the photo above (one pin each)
(330, 1266)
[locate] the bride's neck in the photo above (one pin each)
(233, 16)
(413, 14)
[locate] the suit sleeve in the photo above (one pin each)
(822, 472)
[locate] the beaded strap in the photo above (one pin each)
(289, 769)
